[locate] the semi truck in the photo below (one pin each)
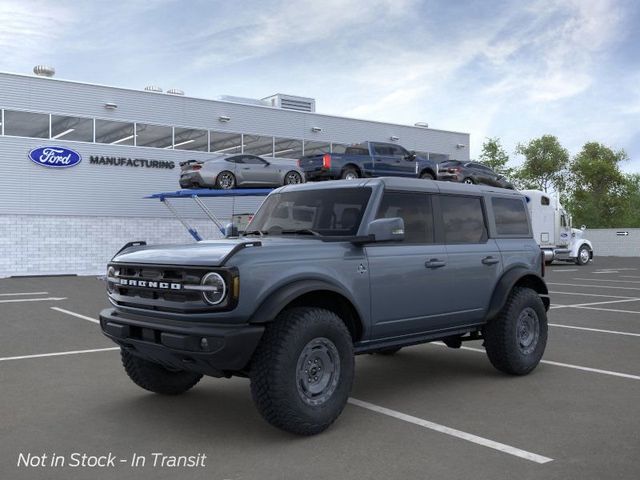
(553, 231)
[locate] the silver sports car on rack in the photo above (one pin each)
(239, 170)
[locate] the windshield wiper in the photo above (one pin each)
(301, 231)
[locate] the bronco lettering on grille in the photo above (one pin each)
(150, 284)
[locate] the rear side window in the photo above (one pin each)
(414, 209)
(510, 215)
(463, 219)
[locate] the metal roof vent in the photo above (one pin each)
(44, 71)
(175, 91)
(153, 88)
(291, 102)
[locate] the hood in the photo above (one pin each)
(211, 253)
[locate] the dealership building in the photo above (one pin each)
(129, 144)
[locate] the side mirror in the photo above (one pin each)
(230, 230)
(386, 230)
(411, 156)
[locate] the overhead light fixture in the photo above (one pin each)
(460, 145)
(224, 118)
(227, 149)
(110, 106)
(316, 129)
(394, 138)
(123, 139)
(183, 143)
(421, 124)
(62, 134)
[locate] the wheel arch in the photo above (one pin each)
(517, 277)
(429, 170)
(311, 293)
(354, 166)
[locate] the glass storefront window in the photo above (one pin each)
(225, 143)
(287, 148)
(72, 128)
(316, 148)
(115, 133)
(157, 136)
(258, 145)
(26, 124)
(190, 139)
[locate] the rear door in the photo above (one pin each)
(410, 281)
(473, 258)
(383, 159)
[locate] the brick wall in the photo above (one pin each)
(46, 245)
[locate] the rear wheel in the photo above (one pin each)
(584, 255)
(302, 371)
(468, 181)
(292, 178)
(155, 378)
(225, 180)
(350, 173)
(427, 176)
(516, 339)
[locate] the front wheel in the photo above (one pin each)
(155, 378)
(225, 180)
(516, 339)
(302, 371)
(427, 176)
(584, 255)
(292, 178)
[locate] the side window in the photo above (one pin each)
(511, 216)
(415, 209)
(398, 151)
(545, 201)
(253, 160)
(463, 219)
(235, 159)
(383, 150)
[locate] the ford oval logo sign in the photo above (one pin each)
(55, 157)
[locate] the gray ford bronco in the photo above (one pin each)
(324, 272)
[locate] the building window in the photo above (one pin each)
(316, 148)
(71, 128)
(191, 139)
(258, 145)
(26, 124)
(511, 216)
(463, 219)
(287, 148)
(115, 133)
(226, 143)
(157, 136)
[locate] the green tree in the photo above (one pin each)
(495, 157)
(600, 193)
(545, 164)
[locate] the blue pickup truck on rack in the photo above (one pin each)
(368, 159)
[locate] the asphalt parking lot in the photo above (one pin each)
(429, 412)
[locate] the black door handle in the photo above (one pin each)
(434, 263)
(490, 260)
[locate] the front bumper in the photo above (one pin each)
(210, 349)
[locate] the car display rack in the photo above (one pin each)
(196, 195)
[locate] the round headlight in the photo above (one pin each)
(111, 273)
(216, 288)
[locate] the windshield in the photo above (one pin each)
(325, 212)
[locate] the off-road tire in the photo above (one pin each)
(502, 335)
(579, 260)
(427, 176)
(388, 351)
(349, 173)
(155, 378)
(275, 384)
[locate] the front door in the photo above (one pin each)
(410, 280)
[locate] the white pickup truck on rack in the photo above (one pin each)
(553, 232)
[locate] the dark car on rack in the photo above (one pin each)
(471, 173)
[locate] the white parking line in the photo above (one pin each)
(533, 457)
(561, 270)
(592, 286)
(598, 330)
(606, 272)
(48, 299)
(577, 305)
(23, 293)
(587, 294)
(607, 280)
(629, 276)
(610, 310)
(73, 314)
(57, 354)
(558, 364)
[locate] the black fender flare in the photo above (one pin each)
(430, 170)
(282, 296)
(509, 280)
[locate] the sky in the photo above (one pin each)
(509, 69)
